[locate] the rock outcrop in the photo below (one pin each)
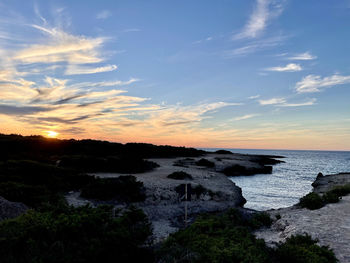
(10, 209)
(330, 225)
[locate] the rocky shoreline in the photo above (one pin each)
(330, 225)
(212, 190)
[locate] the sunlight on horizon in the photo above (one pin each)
(51, 134)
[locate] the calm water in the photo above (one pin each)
(290, 180)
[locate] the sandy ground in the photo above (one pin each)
(329, 224)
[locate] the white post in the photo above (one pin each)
(186, 205)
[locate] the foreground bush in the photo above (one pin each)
(223, 238)
(205, 163)
(75, 235)
(303, 249)
(123, 189)
(311, 201)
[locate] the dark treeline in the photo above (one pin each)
(19, 147)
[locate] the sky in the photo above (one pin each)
(261, 74)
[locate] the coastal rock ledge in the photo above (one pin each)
(330, 225)
(211, 190)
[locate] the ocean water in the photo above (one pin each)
(290, 180)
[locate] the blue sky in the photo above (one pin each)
(235, 74)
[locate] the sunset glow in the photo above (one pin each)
(242, 79)
(51, 134)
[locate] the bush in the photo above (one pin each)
(311, 201)
(205, 162)
(301, 249)
(75, 235)
(222, 238)
(122, 189)
(180, 176)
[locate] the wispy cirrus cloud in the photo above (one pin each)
(245, 117)
(80, 70)
(282, 102)
(307, 103)
(263, 12)
(302, 56)
(254, 97)
(272, 101)
(315, 83)
(255, 46)
(291, 67)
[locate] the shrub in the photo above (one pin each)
(260, 219)
(122, 189)
(278, 216)
(330, 197)
(311, 201)
(205, 162)
(302, 248)
(221, 238)
(75, 235)
(180, 176)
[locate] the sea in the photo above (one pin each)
(290, 180)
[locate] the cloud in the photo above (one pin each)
(303, 56)
(308, 103)
(314, 83)
(244, 117)
(288, 68)
(21, 110)
(255, 46)
(103, 14)
(254, 97)
(61, 47)
(264, 11)
(80, 70)
(282, 102)
(272, 101)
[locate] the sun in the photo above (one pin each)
(51, 134)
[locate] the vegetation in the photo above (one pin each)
(236, 170)
(223, 152)
(228, 238)
(311, 201)
(301, 249)
(75, 235)
(180, 176)
(122, 189)
(315, 201)
(205, 163)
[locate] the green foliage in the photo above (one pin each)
(180, 176)
(315, 201)
(222, 238)
(303, 249)
(75, 235)
(311, 201)
(260, 219)
(123, 189)
(205, 163)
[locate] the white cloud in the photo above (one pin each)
(61, 47)
(264, 10)
(244, 117)
(308, 103)
(303, 56)
(103, 14)
(255, 46)
(288, 68)
(254, 97)
(79, 70)
(282, 102)
(272, 101)
(314, 83)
